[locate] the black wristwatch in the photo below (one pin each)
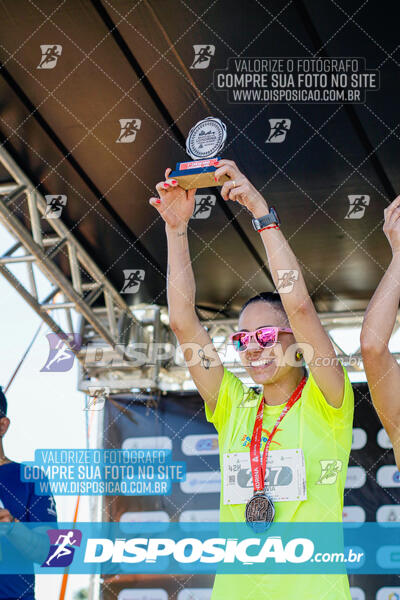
(262, 222)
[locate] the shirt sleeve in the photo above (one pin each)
(232, 393)
(339, 417)
(41, 508)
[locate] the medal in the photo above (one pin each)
(260, 510)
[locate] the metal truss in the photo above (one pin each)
(41, 244)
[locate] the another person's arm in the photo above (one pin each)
(33, 544)
(381, 368)
(303, 318)
(176, 206)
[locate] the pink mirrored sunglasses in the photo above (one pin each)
(264, 336)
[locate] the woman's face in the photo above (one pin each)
(265, 364)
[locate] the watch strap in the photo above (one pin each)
(269, 219)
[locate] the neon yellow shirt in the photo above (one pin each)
(325, 434)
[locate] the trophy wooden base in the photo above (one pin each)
(197, 174)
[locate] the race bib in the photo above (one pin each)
(285, 477)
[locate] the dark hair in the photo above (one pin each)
(268, 297)
(3, 404)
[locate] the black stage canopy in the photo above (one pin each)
(134, 60)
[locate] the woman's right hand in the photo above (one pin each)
(175, 204)
(391, 227)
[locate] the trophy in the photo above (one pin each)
(203, 143)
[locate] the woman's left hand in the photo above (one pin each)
(239, 189)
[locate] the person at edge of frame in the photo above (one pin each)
(319, 424)
(20, 504)
(381, 368)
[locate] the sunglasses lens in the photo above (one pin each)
(266, 336)
(239, 341)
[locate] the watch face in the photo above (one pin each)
(275, 214)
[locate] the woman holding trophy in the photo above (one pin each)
(381, 367)
(301, 423)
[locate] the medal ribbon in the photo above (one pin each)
(258, 470)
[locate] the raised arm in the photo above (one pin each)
(176, 206)
(381, 368)
(298, 305)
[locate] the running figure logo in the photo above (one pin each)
(250, 397)
(203, 207)
(55, 205)
(61, 352)
(133, 279)
(202, 56)
(50, 55)
(286, 280)
(51, 509)
(357, 207)
(62, 547)
(279, 129)
(97, 397)
(330, 470)
(129, 128)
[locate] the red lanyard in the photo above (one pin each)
(257, 470)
